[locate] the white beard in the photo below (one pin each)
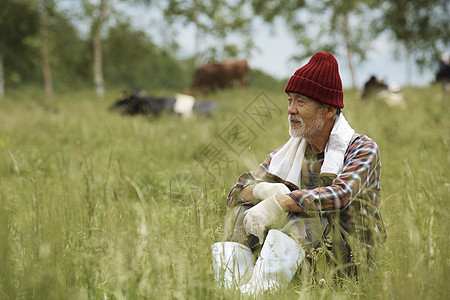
(307, 133)
(296, 133)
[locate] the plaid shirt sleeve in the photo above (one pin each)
(359, 178)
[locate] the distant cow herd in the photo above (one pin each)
(235, 73)
(207, 79)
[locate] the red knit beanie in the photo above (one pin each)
(319, 79)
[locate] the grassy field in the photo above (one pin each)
(96, 205)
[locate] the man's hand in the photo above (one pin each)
(262, 215)
(264, 190)
(247, 194)
(288, 204)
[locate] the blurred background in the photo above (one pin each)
(66, 44)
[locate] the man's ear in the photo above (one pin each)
(330, 111)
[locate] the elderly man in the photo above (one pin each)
(321, 187)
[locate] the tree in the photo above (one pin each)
(348, 29)
(339, 25)
(99, 14)
(14, 46)
(215, 23)
(71, 54)
(43, 38)
(132, 60)
(420, 27)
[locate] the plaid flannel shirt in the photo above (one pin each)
(354, 194)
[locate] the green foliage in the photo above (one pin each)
(130, 58)
(271, 9)
(261, 80)
(68, 52)
(352, 16)
(70, 55)
(19, 20)
(19, 23)
(217, 24)
(95, 205)
(223, 30)
(339, 26)
(421, 27)
(133, 61)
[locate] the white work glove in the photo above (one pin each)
(262, 215)
(264, 190)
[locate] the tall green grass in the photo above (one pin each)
(96, 205)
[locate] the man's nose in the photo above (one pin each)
(291, 109)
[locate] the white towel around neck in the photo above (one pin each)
(287, 162)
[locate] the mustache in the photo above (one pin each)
(295, 118)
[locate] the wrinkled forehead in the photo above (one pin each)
(298, 96)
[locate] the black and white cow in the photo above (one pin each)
(443, 73)
(137, 102)
(372, 87)
(390, 93)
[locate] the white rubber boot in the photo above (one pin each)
(232, 263)
(278, 261)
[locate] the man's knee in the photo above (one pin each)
(234, 227)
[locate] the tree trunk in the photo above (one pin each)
(45, 65)
(2, 78)
(97, 44)
(346, 33)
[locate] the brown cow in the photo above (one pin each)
(221, 75)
